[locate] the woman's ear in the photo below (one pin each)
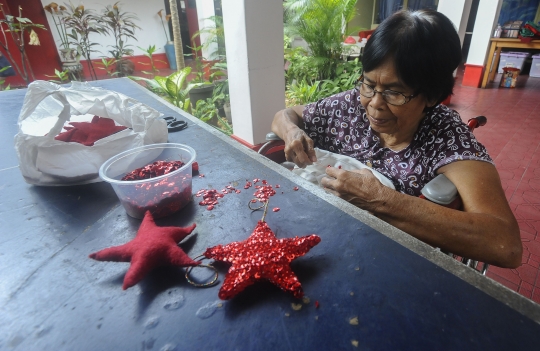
(431, 103)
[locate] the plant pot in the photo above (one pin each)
(227, 109)
(69, 55)
(171, 55)
(201, 93)
(124, 67)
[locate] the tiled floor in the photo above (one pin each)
(512, 137)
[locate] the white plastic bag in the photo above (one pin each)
(315, 172)
(48, 106)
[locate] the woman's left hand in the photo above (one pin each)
(359, 187)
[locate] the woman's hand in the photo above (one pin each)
(360, 187)
(299, 148)
(298, 145)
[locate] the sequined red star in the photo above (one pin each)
(152, 247)
(262, 256)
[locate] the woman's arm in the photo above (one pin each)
(485, 231)
(298, 146)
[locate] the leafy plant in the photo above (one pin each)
(172, 88)
(2, 81)
(16, 27)
(215, 36)
(108, 66)
(122, 27)
(321, 24)
(201, 66)
(300, 66)
(303, 92)
(82, 23)
(205, 110)
(149, 53)
(63, 76)
(57, 14)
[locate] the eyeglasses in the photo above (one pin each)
(390, 96)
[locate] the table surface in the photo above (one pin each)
(404, 294)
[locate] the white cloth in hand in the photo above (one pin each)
(315, 172)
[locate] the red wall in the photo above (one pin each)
(44, 58)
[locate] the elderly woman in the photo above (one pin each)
(393, 122)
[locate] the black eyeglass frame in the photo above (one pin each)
(407, 98)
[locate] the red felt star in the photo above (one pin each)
(87, 133)
(261, 256)
(152, 247)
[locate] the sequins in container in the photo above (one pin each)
(161, 195)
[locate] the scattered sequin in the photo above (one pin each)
(275, 209)
(353, 321)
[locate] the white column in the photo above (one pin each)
(205, 10)
(254, 42)
(458, 12)
(485, 24)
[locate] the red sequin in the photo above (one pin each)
(275, 209)
(153, 170)
(165, 196)
(264, 192)
(316, 304)
(261, 257)
(295, 188)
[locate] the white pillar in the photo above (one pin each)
(458, 12)
(205, 10)
(485, 24)
(254, 42)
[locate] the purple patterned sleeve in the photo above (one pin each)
(455, 142)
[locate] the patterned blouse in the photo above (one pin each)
(339, 124)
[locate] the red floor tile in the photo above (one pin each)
(512, 137)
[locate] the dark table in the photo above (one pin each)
(404, 294)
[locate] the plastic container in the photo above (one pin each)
(535, 66)
(512, 59)
(161, 195)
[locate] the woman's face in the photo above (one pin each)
(400, 122)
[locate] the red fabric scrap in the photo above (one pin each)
(87, 133)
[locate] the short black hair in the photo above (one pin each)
(425, 48)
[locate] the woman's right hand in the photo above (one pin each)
(299, 148)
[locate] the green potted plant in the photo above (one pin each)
(57, 12)
(122, 27)
(82, 23)
(205, 75)
(172, 88)
(17, 27)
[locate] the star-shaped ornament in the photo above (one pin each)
(261, 257)
(152, 247)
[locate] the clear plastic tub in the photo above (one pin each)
(512, 59)
(161, 195)
(535, 66)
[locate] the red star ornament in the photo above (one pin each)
(152, 247)
(261, 256)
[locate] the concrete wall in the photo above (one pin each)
(364, 9)
(151, 32)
